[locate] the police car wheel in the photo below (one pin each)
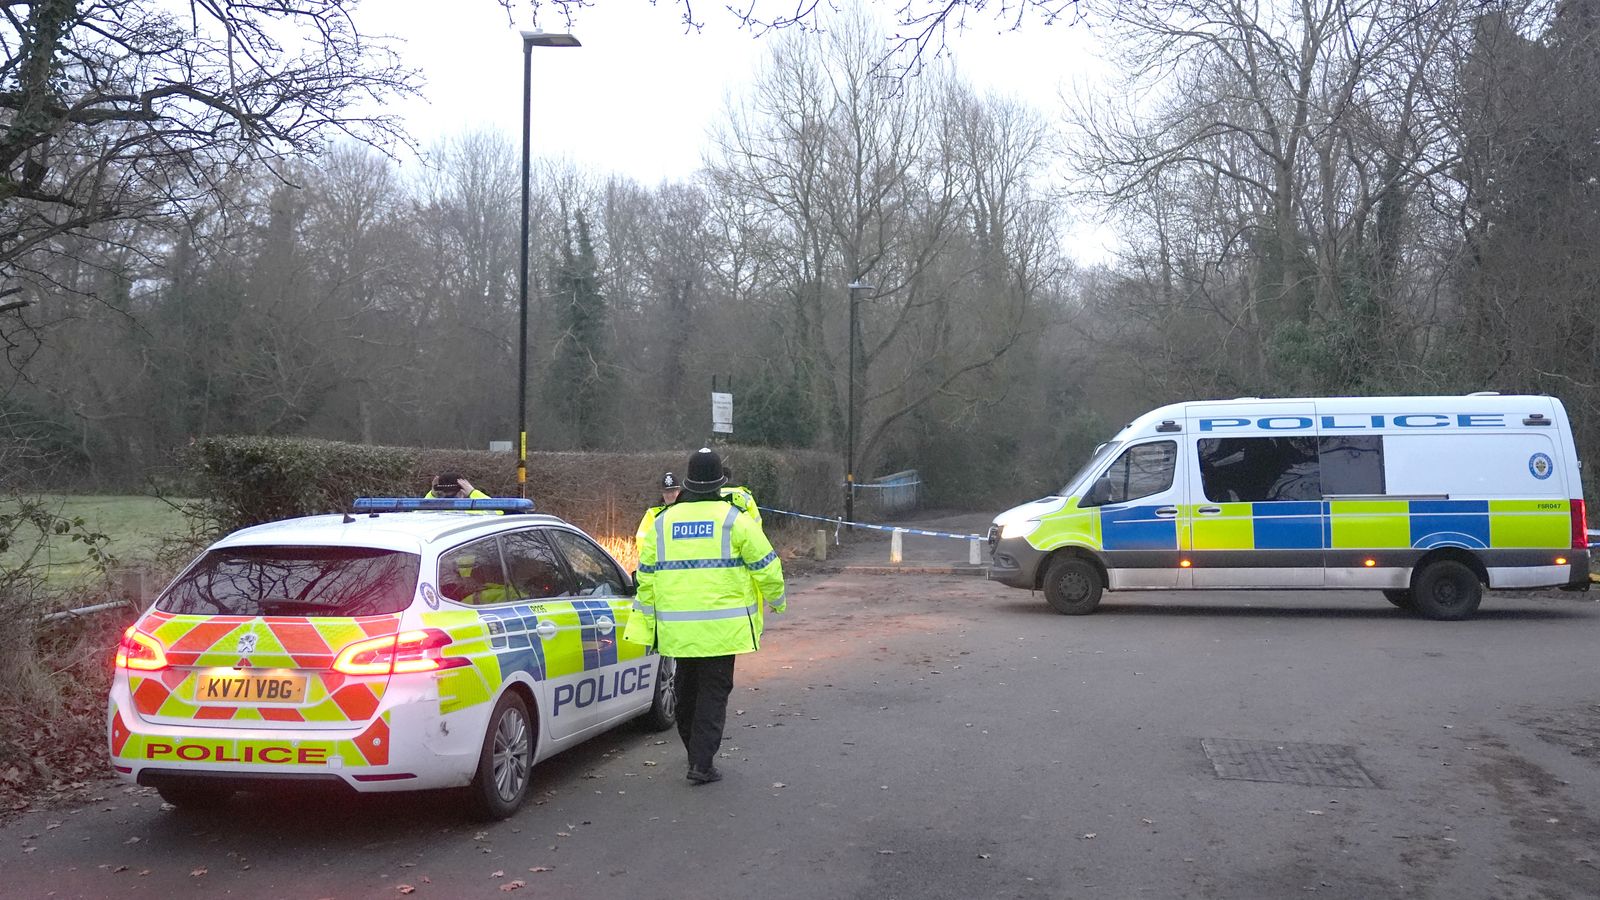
(663, 712)
(505, 767)
(194, 795)
(1072, 586)
(1446, 590)
(1401, 599)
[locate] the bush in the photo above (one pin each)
(250, 480)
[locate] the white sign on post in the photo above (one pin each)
(721, 413)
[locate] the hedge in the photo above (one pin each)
(250, 480)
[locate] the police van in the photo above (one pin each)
(1427, 499)
(413, 644)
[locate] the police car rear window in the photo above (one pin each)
(295, 581)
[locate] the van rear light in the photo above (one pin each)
(140, 652)
(408, 651)
(1580, 526)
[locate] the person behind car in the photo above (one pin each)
(450, 486)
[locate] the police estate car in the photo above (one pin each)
(387, 650)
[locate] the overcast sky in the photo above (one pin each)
(639, 97)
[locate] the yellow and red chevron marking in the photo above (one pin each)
(370, 748)
(281, 642)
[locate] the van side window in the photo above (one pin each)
(1139, 472)
(1352, 464)
(1259, 469)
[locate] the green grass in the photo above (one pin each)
(135, 525)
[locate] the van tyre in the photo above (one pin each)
(505, 765)
(1072, 586)
(663, 712)
(1446, 590)
(1402, 599)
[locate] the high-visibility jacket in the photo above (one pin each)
(475, 495)
(640, 622)
(740, 496)
(704, 568)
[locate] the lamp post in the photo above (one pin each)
(530, 40)
(850, 431)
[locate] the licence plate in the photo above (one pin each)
(249, 687)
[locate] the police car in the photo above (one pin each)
(411, 644)
(1426, 499)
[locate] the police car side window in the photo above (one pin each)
(1260, 469)
(596, 576)
(473, 574)
(536, 570)
(1140, 471)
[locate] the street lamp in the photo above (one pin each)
(850, 432)
(530, 40)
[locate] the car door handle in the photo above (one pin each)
(604, 624)
(546, 629)
(1167, 512)
(1209, 510)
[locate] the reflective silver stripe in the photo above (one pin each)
(727, 531)
(640, 607)
(661, 538)
(706, 615)
(776, 601)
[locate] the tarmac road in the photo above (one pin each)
(918, 736)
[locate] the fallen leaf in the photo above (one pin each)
(513, 885)
(498, 873)
(540, 869)
(563, 834)
(120, 869)
(481, 836)
(1090, 836)
(405, 889)
(1315, 812)
(649, 762)
(779, 784)
(885, 852)
(132, 840)
(983, 855)
(196, 873)
(427, 880)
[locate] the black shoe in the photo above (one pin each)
(705, 777)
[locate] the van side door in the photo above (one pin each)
(1259, 517)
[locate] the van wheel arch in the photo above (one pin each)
(1080, 552)
(1447, 584)
(1459, 554)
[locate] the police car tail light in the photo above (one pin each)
(1580, 526)
(408, 651)
(140, 651)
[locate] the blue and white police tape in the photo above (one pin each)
(900, 528)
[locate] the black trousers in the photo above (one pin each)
(702, 686)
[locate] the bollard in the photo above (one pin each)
(896, 547)
(974, 551)
(821, 550)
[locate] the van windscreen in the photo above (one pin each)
(295, 581)
(1100, 455)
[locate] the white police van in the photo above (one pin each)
(1427, 499)
(412, 645)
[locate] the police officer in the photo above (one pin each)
(450, 486)
(704, 567)
(739, 495)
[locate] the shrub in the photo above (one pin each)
(249, 480)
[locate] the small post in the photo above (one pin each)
(820, 552)
(896, 548)
(975, 551)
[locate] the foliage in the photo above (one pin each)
(581, 374)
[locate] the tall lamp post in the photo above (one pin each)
(850, 431)
(530, 40)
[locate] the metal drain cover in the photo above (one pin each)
(1320, 765)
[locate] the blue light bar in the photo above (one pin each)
(442, 504)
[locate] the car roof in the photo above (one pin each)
(411, 532)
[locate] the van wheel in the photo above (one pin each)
(1401, 599)
(194, 795)
(663, 712)
(1446, 590)
(505, 765)
(1072, 586)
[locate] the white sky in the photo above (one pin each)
(640, 96)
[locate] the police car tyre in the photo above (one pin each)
(1072, 585)
(1400, 598)
(1447, 590)
(505, 767)
(663, 712)
(194, 795)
